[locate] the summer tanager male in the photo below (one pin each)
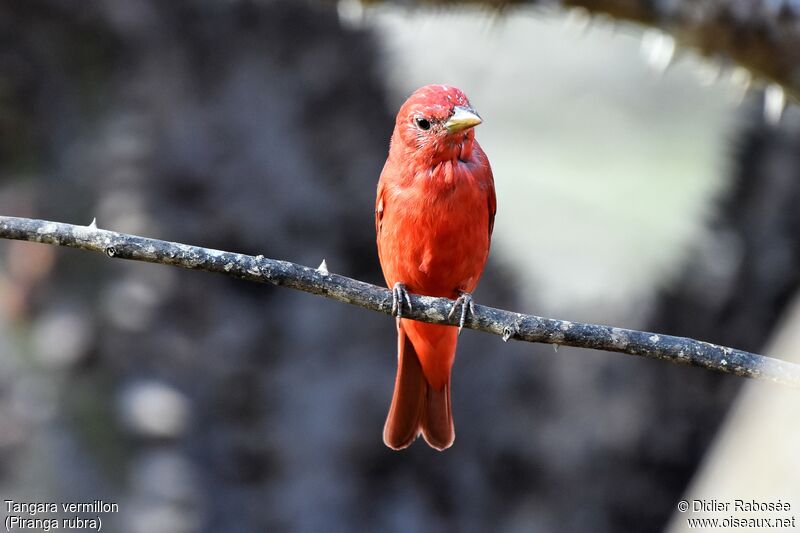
(434, 216)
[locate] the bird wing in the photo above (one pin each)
(379, 209)
(492, 201)
(379, 216)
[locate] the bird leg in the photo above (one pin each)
(465, 302)
(399, 295)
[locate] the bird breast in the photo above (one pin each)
(445, 238)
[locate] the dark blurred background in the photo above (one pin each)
(201, 403)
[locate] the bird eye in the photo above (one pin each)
(422, 123)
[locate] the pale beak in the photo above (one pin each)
(463, 118)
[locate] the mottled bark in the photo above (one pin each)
(507, 324)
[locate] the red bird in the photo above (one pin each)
(434, 217)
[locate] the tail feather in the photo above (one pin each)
(416, 406)
(408, 401)
(437, 420)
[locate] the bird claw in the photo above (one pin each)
(400, 295)
(465, 302)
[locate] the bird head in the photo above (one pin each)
(436, 123)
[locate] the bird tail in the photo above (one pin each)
(417, 407)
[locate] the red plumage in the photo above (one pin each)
(434, 216)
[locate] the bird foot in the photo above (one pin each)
(400, 295)
(465, 302)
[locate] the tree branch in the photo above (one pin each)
(506, 324)
(760, 35)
